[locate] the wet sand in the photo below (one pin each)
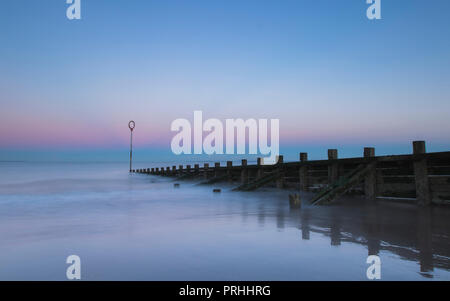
(139, 227)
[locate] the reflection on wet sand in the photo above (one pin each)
(413, 233)
(152, 231)
(424, 240)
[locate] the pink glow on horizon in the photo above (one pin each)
(41, 131)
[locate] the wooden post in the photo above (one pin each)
(174, 170)
(157, 170)
(168, 170)
(196, 169)
(333, 167)
(205, 170)
(153, 170)
(280, 171)
(216, 169)
(244, 172)
(421, 174)
(370, 180)
(303, 172)
(180, 170)
(162, 171)
(188, 169)
(230, 171)
(260, 171)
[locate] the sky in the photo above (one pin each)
(334, 78)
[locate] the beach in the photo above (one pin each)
(140, 227)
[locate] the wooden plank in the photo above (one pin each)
(401, 187)
(258, 183)
(341, 185)
(439, 170)
(399, 179)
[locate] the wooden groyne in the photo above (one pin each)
(420, 177)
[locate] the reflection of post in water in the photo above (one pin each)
(305, 224)
(261, 215)
(335, 231)
(280, 216)
(373, 229)
(425, 239)
(244, 212)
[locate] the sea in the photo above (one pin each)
(126, 226)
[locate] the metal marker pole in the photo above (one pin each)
(131, 126)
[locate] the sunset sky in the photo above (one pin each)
(331, 76)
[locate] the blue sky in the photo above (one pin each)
(332, 77)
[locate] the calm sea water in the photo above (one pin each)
(138, 227)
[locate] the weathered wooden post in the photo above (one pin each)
(180, 170)
(230, 171)
(205, 170)
(333, 167)
(280, 171)
(370, 179)
(168, 170)
(260, 170)
(216, 169)
(174, 170)
(244, 172)
(303, 172)
(157, 170)
(421, 174)
(153, 170)
(188, 169)
(196, 169)
(163, 171)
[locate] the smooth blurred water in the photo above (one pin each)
(139, 227)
